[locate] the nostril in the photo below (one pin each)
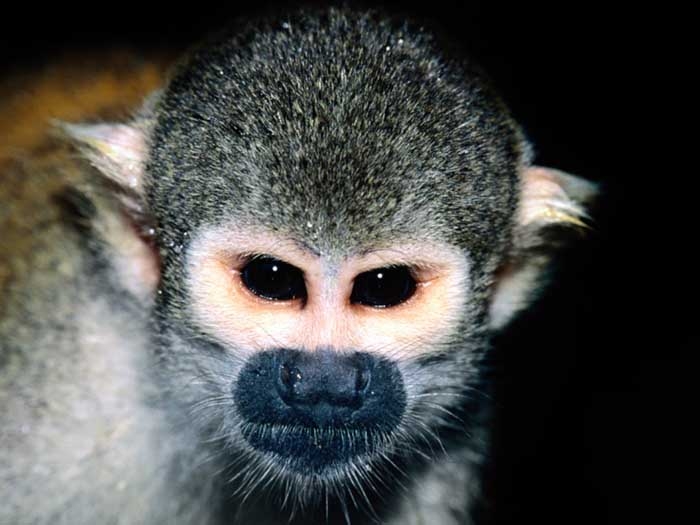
(362, 380)
(290, 376)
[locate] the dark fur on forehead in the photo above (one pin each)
(338, 129)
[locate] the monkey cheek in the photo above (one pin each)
(316, 412)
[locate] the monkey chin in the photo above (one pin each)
(319, 414)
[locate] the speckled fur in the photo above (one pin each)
(344, 131)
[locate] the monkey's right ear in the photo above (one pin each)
(123, 225)
(118, 151)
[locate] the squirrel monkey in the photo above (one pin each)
(267, 297)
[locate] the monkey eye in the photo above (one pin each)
(383, 287)
(273, 279)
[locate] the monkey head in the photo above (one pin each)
(342, 215)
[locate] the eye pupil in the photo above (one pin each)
(383, 287)
(273, 279)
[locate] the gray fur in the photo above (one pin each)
(343, 131)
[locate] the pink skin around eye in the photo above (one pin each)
(229, 311)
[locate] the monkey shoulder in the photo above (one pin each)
(71, 344)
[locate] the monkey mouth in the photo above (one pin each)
(319, 410)
(312, 450)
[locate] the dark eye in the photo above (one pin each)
(273, 279)
(383, 287)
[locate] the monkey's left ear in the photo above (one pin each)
(552, 203)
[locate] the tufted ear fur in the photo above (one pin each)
(551, 201)
(122, 224)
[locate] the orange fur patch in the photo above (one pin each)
(110, 86)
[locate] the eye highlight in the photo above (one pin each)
(383, 287)
(273, 279)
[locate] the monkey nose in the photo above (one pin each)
(325, 385)
(309, 406)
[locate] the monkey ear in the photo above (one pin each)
(122, 224)
(118, 151)
(553, 205)
(550, 196)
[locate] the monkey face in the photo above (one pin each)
(325, 356)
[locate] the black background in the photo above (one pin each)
(594, 381)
